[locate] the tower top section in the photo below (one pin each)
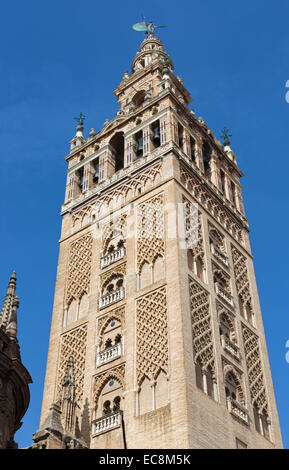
(151, 51)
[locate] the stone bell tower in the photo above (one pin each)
(156, 337)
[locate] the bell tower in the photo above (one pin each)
(156, 337)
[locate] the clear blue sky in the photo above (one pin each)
(62, 57)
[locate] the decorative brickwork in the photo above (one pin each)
(215, 208)
(150, 230)
(123, 193)
(79, 268)
(118, 271)
(116, 314)
(193, 230)
(100, 380)
(201, 326)
(118, 225)
(152, 335)
(241, 275)
(255, 369)
(73, 344)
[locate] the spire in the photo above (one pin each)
(68, 383)
(8, 314)
(78, 139)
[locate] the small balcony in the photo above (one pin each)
(111, 297)
(224, 294)
(106, 423)
(219, 254)
(109, 354)
(112, 257)
(230, 347)
(238, 410)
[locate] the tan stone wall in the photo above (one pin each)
(160, 315)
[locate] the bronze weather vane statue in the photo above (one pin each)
(148, 28)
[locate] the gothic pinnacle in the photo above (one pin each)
(8, 314)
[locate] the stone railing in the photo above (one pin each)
(219, 254)
(109, 354)
(112, 257)
(237, 410)
(106, 423)
(111, 297)
(229, 346)
(225, 295)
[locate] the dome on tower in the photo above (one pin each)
(151, 51)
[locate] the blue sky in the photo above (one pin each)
(62, 57)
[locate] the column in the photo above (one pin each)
(199, 154)
(214, 170)
(205, 387)
(146, 138)
(187, 144)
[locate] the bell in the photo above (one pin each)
(156, 134)
(139, 146)
(95, 176)
(80, 184)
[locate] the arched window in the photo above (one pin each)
(108, 343)
(106, 408)
(227, 327)
(207, 159)
(117, 339)
(155, 134)
(193, 148)
(262, 423)
(139, 98)
(117, 145)
(116, 403)
(109, 400)
(138, 146)
(233, 388)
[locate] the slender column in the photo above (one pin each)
(261, 423)
(153, 385)
(163, 130)
(205, 386)
(215, 389)
(147, 143)
(65, 316)
(174, 130)
(87, 177)
(151, 274)
(137, 401)
(186, 143)
(214, 170)
(77, 309)
(199, 154)
(72, 188)
(137, 281)
(129, 154)
(269, 430)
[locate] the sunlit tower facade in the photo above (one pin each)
(156, 337)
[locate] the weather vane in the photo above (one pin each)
(80, 119)
(149, 28)
(226, 136)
